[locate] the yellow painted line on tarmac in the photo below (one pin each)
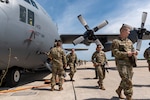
(23, 88)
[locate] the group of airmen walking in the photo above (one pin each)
(122, 50)
(59, 61)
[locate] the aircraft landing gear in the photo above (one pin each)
(13, 77)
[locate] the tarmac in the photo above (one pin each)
(33, 87)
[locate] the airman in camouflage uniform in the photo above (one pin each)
(58, 58)
(147, 56)
(123, 50)
(99, 60)
(72, 61)
(96, 71)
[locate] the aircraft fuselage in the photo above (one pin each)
(25, 30)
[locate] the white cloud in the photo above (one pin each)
(68, 21)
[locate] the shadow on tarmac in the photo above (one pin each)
(88, 78)
(113, 98)
(88, 87)
(86, 68)
(41, 89)
(109, 68)
(136, 85)
(29, 77)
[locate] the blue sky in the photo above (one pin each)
(64, 13)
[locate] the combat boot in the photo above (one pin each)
(60, 88)
(101, 86)
(71, 79)
(128, 98)
(52, 88)
(118, 91)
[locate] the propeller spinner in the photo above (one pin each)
(89, 34)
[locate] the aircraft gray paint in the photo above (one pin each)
(22, 40)
(26, 30)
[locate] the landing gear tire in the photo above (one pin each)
(13, 77)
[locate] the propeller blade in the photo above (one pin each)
(141, 31)
(83, 22)
(138, 45)
(101, 25)
(78, 40)
(99, 43)
(144, 16)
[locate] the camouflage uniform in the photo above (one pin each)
(58, 61)
(120, 47)
(99, 60)
(147, 56)
(71, 61)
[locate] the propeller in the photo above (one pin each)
(141, 31)
(136, 34)
(89, 34)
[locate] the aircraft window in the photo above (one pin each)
(7, 1)
(27, 1)
(34, 4)
(30, 17)
(22, 14)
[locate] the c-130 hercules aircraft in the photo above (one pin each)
(26, 30)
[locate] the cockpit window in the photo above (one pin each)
(31, 2)
(27, 1)
(22, 14)
(30, 17)
(34, 4)
(4, 1)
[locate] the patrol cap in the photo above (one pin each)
(58, 42)
(125, 26)
(99, 46)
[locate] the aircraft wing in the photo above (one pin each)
(68, 38)
(76, 49)
(146, 37)
(105, 39)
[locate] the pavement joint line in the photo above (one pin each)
(74, 91)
